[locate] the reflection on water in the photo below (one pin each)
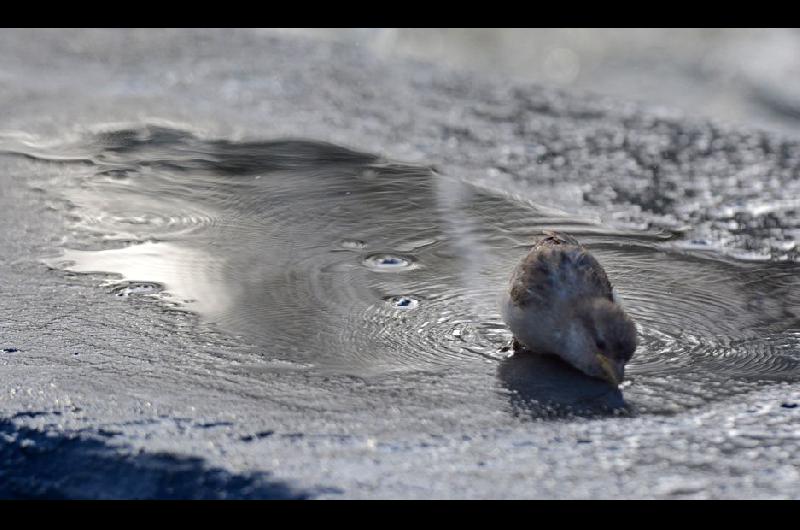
(342, 261)
(544, 386)
(149, 264)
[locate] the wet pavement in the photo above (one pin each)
(188, 298)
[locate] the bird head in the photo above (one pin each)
(603, 339)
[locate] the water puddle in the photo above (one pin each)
(345, 262)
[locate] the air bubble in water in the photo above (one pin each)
(388, 262)
(403, 302)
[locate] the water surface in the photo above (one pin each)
(345, 263)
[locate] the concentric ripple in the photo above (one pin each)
(339, 260)
(403, 302)
(388, 262)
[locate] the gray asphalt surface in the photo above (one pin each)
(104, 397)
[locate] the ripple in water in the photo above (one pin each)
(268, 241)
(388, 262)
(403, 302)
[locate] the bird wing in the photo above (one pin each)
(556, 266)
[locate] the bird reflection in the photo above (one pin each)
(544, 386)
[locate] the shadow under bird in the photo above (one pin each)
(560, 302)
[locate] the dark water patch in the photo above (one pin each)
(302, 249)
(109, 433)
(35, 414)
(543, 386)
(47, 465)
(212, 424)
(256, 436)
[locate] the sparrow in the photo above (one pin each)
(560, 302)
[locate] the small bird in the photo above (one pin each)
(560, 302)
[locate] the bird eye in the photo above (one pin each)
(601, 344)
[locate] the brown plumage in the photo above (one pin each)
(549, 262)
(561, 302)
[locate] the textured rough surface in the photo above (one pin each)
(103, 397)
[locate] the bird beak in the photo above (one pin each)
(608, 369)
